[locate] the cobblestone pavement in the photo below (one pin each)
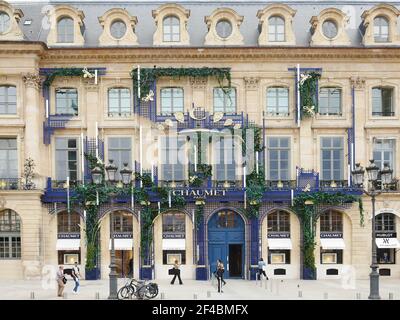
(206, 290)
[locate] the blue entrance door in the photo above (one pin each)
(226, 242)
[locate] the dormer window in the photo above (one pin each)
(4, 22)
(171, 29)
(381, 29)
(65, 30)
(224, 28)
(276, 29)
(330, 29)
(118, 29)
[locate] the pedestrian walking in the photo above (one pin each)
(76, 276)
(220, 274)
(262, 266)
(177, 273)
(61, 281)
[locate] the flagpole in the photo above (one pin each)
(298, 95)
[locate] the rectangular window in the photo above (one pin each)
(386, 255)
(331, 221)
(69, 257)
(119, 102)
(331, 256)
(66, 101)
(8, 100)
(383, 152)
(332, 158)
(173, 222)
(382, 102)
(225, 159)
(172, 158)
(225, 100)
(169, 256)
(120, 150)
(66, 159)
(330, 101)
(8, 159)
(278, 256)
(278, 151)
(171, 100)
(10, 247)
(278, 101)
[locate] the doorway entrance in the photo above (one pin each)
(226, 234)
(124, 262)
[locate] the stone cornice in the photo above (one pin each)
(235, 54)
(22, 47)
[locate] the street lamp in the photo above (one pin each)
(97, 175)
(386, 175)
(126, 175)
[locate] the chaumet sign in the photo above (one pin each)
(200, 193)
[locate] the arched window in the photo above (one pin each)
(331, 221)
(171, 29)
(10, 235)
(385, 222)
(173, 222)
(276, 29)
(279, 221)
(381, 29)
(65, 30)
(227, 219)
(8, 100)
(118, 29)
(5, 22)
(119, 102)
(68, 222)
(122, 221)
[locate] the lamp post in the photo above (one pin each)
(126, 175)
(386, 175)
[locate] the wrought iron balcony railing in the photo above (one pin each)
(333, 184)
(280, 185)
(383, 113)
(15, 184)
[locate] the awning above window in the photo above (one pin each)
(174, 244)
(282, 244)
(122, 244)
(68, 244)
(387, 243)
(336, 243)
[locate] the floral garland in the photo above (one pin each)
(308, 90)
(66, 72)
(149, 75)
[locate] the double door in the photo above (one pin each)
(232, 257)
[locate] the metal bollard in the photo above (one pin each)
(390, 295)
(65, 295)
(277, 287)
(266, 284)
(162, 295)
(130, 295)
(97, 296)
(32, 295)
(300, 295)
(358, 295)
(326, 295)
(195, 296)
(208, 294)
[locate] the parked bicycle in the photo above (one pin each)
(138, 288)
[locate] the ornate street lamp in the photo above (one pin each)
(111, 169)
(386, 175)
(97, 175)
(126, 174)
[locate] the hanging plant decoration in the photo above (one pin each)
(149, 75)
(68, 72)
(308, 93)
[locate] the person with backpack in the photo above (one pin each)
(220, 274)
(76, 276)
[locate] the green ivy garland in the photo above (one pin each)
(62, 72)
(255, 188)
(308, 217)
(149, 75)
(308, 92)
(199, 214)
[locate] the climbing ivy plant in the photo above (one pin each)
(62, 72)
(308, 93)
(149, 75)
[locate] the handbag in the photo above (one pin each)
(171, 271)
(64, 280)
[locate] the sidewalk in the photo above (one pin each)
(206, 290)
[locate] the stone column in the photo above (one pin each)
(33, 128)
(360, 114)
(199, 95)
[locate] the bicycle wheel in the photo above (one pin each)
(152, 291)
(124, 292)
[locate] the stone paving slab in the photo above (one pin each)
(273, 289)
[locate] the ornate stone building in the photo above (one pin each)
(139, 83)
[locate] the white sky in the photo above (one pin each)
(203, 1)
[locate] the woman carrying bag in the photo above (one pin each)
(176, 272)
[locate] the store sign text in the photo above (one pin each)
(200, 193)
